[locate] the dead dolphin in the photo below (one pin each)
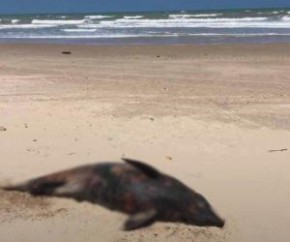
(133, 188)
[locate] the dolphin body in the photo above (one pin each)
(134, 188)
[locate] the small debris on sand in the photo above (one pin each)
(72, 153)
(168, 158)
(66, 52)
(278, 150)
(2, 129)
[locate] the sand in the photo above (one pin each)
(215, 117)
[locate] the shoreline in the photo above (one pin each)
(179, 50)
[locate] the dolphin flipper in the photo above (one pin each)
(140, 220)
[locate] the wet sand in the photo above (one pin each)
(215, 117)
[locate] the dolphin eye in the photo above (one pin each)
(201, 205)
(201, 202)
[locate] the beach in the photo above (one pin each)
(216, 117)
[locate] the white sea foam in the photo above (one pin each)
(76, 36)
(207, 15)
(15, 21)
(195, 20)
(57, 22)
(97, 16)
(286, 18)
(133, 17)
(79, 30)
(182, 16)
(238, 35)
(25, 26)
(178, 16)
(247, 22)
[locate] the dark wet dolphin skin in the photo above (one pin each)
(133, 188)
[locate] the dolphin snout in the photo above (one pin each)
(209, 218)
(220, 223)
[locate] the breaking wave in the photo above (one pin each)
(216, 25)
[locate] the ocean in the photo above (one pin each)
(184, 27)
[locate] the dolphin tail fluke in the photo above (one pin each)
(36, 187)
(22, 187)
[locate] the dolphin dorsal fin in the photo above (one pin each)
(146, 169)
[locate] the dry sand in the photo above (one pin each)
(208, 115)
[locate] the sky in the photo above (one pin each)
(67, 6)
